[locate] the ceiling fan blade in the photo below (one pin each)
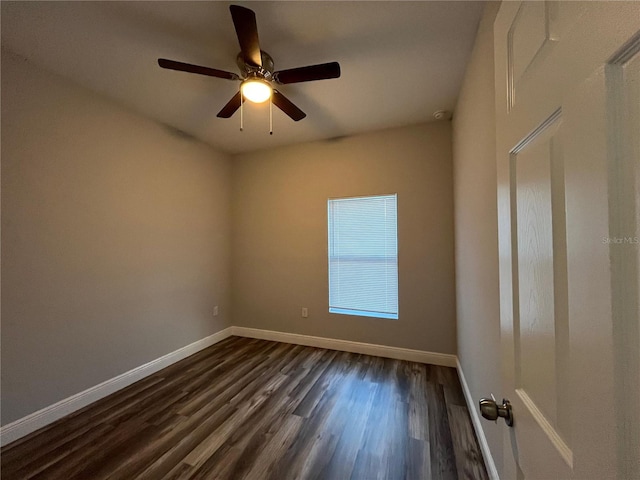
(187, 67)
(308, 74)
(247, 30)
(230, 108)
(284, 104)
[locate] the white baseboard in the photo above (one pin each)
(34, 421)
(477, 426)
(50, 414)
(398, 353)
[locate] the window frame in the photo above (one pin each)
(360, 312)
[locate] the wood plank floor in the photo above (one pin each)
(255, 409)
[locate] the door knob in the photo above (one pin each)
(491, 410)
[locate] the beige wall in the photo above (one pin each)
(280, 234)
(115, 239)
(476, 226)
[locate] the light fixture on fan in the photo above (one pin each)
(256, 90)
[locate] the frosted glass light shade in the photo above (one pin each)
(256, 91)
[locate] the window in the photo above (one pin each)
(363, 256)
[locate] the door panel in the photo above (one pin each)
(623, 100)
(567, 112)
(541, 338)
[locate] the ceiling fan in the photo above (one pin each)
(257, 73)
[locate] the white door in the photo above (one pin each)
(568, 140)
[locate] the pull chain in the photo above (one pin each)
(241, 110)
(271, 115)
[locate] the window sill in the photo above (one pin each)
(363, 313)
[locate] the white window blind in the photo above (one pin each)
(363, 256)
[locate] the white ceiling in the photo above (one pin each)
(400, 61)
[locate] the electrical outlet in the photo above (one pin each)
(215, 311)
(305, 312)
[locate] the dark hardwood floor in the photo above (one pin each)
(255, 409)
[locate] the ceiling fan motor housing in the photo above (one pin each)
(265, 71)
